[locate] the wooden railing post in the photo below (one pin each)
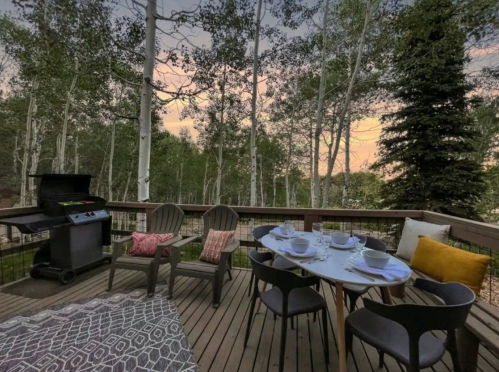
(309, 220)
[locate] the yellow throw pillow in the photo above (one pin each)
(448, 264)
(429, 257)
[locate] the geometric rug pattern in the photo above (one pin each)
(113, 332)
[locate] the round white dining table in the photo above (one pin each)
(333, 268)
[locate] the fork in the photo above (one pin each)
(355, 272)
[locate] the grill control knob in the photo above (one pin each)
(92, 213)
(87, 214)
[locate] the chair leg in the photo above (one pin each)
(111, 277)
(214, 286)
(230, 274)
(381, 362)
(292, 322)
(353, 297)
(324, 329)
(284, 329)
(452, 347)
(315, 316)
(150, 281)
(170, 287)
(348, 339)
(250, 319)
(251, 284)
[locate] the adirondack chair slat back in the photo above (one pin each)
(167, 218)
(220, 218)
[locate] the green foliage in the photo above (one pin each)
(427, 148)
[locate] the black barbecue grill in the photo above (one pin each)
(78, 224)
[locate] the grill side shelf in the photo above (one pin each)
(35, 223)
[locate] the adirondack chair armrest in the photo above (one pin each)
(175, 249)
(162, 246)
(118, 245)
(232, 246)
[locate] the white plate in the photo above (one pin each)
(309, 253)
(349, 245)
(278, 233)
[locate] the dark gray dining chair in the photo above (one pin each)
(279, 262)
(404, 331)
(291, 295)
(352, 291)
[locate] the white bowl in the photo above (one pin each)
(376, 259)
(341, 237)
(300, 245)
(282, 228)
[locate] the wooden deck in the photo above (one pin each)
(216, 336)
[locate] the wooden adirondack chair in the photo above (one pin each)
(165, 219)
(220, 218)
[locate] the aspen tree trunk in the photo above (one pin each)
(205, 184)
(311, 162)
(24, 163)
(220, 143)
(320, 108)
(61, 156)
(145, 105)
(346, 187)
(327, 181)
(275, 190)
(180, 183)
(77, 156)
(262, 198)
(111, 158)
(125, 193)
(36, 149)
(253, 109)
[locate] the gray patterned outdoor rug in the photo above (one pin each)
(113, 332)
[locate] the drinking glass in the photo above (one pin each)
(327, 236)
(290, 227)
(360, 243)
(317, 231)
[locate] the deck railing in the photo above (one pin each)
(16, 250)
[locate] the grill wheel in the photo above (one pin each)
(67, 276)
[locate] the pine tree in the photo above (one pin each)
(426, 149)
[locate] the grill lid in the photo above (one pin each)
(63, 187)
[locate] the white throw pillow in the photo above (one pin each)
(412, 229)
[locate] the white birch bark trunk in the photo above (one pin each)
(26, 151)
(320, 107)
(61, 156)
(327, 181)
(145, 104)
(111, 158)
(205, 181)
(36, 149)
(311, 162)
(220, 145)
(346, 186)
(275, 188)
(253, 109)
(180, 182)
(262, 196)
(77, 155)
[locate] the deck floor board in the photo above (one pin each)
(217, 336)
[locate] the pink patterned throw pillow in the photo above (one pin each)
(145, 244)
(215, 243)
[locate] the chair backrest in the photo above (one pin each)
(167, 218)
(260, 231)
(282, 279)
(418, 319)
(220, 218)
(375, 244)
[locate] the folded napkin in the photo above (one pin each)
(307, 253)
(349, 244)
(391, 272)
(276, 231)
